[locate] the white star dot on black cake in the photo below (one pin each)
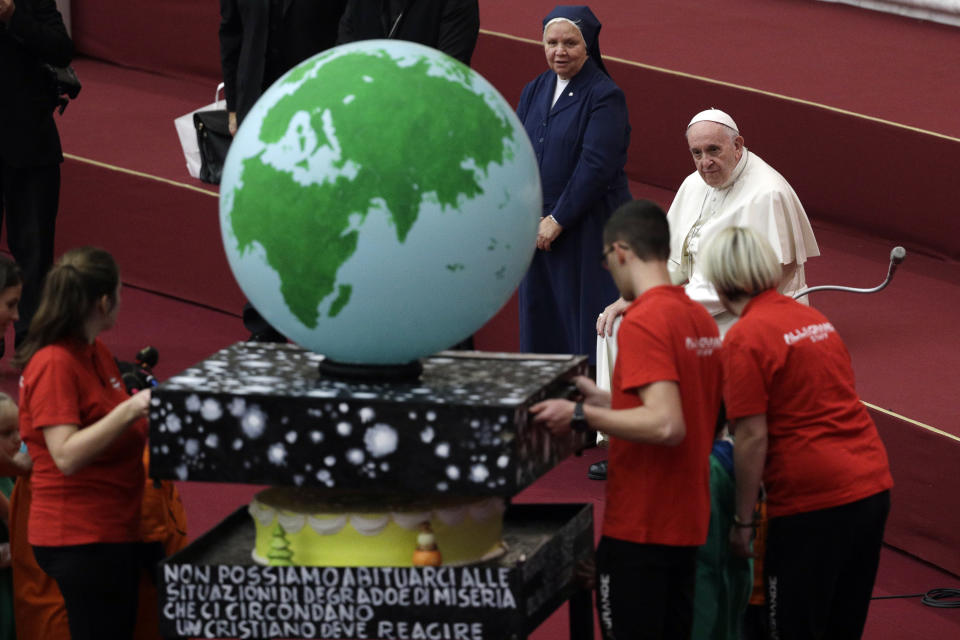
(274, 414)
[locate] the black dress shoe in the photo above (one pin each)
(598, 470)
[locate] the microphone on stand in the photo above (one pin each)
(897, 254)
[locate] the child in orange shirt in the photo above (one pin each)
(15, 464)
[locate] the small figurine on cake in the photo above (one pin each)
(280, 554)
(427, 553)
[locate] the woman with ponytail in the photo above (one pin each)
(86, 438)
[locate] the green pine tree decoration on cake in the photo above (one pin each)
(280, 554)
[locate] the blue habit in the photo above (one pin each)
(581, 147)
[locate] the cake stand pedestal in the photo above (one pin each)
(263, 414)
(213, 589)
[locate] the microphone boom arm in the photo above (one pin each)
(896, 257)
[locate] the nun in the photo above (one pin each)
(576, 118)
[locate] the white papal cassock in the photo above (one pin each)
(756, 196)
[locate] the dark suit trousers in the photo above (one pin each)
(29, 198)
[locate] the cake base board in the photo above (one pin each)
(261, 413)
(213, 589)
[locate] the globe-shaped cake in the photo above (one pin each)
(380, 202)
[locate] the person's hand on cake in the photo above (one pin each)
(586, 573)
(555, 414)
(592, 394)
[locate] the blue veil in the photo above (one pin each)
(589, 27)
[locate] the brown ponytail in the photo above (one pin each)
(10, 274)
(71, 291)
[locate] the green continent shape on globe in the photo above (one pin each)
(407, 134)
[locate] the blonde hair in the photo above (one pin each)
(739, 262)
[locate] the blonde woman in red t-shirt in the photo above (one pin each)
(801, 428)
(86, 438)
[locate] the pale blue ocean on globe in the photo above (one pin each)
(380, 202)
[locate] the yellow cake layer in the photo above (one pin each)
(305, 527)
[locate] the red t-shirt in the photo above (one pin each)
(785, 360)
(71, 382)
(658, 494)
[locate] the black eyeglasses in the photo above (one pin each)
(607, 252)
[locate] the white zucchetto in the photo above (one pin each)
(714, 115)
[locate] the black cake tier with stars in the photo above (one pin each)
(262, 413)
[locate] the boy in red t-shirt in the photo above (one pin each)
(660, 415)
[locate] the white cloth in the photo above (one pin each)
(757, 197)
(607, 357)
(561, 85)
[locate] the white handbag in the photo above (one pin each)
(187, 132)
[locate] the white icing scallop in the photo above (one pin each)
(261, 513)
(485, 509)
(410, 520)
(452, 516)
(498, 550)
(327, 525)
(369, 525)
(291, 522)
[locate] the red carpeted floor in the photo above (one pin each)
(185, 334)
(124, 117)
(166, 238)
(876, 64)
(868, 184)
(889, 619)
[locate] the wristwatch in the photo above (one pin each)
(579, 421)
